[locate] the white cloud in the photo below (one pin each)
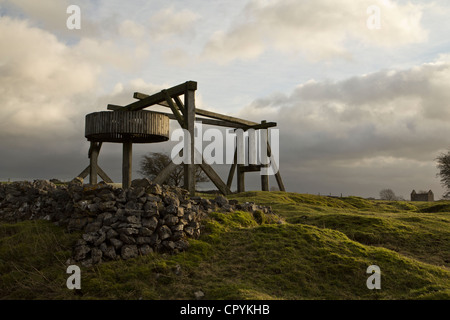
(49, 13)
(169, 22)
(320, 29)
(39, 79)
(129, 28)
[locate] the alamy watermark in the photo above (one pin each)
(74, 20)
(234, 146)
(374, 281)
(74, 281)
(374, 20)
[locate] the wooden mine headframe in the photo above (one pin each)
(184, 112)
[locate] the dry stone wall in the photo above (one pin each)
(115, 223)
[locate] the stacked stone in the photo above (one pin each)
(137, 221)
(116, 223)
(39, 199)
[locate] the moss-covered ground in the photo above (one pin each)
(316, 247)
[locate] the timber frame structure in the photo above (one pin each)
(185, 112)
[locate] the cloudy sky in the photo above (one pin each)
(359, 108)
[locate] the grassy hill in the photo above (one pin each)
(319, 249)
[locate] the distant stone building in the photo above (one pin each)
(427, 196)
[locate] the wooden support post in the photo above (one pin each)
(240, 178)
(264, 158)
(103, 175)
(251, 168)
(127, 164)
(264, 182)
(100, 172)
(232, 170)
(213, 176)
(94, 150)
(275, 165)
(85, 172)
(252, 154)
(279, 181)
(189, 122)
(240, 160)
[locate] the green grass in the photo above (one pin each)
(322, 251)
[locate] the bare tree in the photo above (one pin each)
(387, 194)
(443, 164)
(153, 163)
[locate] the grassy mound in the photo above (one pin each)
(321, 251)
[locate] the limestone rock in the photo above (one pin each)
(129, 251)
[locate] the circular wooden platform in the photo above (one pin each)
(127, 126)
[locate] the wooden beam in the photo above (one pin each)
(251, 168)
(206, 113)
(279, 181)
(220, 123)
(165, 173)
(264, 182)
(189, 125)
(103, 175)
(264, 125)
(114, 107)
(278, 174)
(160, 96)
(232, 170)
(93, 153)
(214, 177)
(206, 121)
(265, 177)
(223, 117)
(174, 109)
(84, 173)
(180, 105)
(240, 178)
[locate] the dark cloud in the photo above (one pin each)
(362, 133)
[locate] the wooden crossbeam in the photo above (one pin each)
(264, 125)
(206, 121)
(212, 175)
(180, 105)
(174, 109)
(114, 107)
(232, 169)
(84, 173)
(100, 172)
(103, 175)
(165, 173)
(206, 113)
(93, 168)
(278, 174)
(160, 96)
(223, 117)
